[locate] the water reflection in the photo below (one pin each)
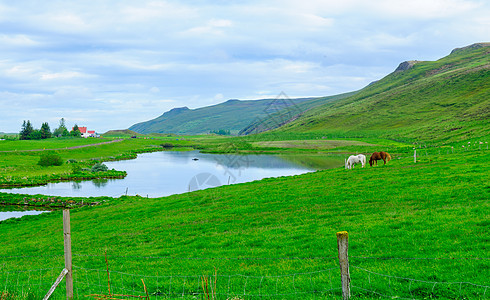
(7, 212)
(76, 185)
(100, 183)
(164, 173)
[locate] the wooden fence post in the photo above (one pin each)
(343, 246)
(68, 265)
(414, 156)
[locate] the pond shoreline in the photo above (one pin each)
(174, 172)
(72, 177)
(48, 202)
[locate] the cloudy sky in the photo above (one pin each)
(111, 63)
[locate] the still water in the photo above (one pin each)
(160, 174)
(8, 212)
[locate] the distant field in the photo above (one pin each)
(310, 144)
(19, 159)
(54, 143)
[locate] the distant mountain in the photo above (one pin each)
(443, 100)
(280, 117)
(233, 116)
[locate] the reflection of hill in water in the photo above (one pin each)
(9, 208)
(316, 161)
(237, 161)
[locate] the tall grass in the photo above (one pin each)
(426, 222)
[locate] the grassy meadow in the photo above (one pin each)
(416, 231)
(19, 158)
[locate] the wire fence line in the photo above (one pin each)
(240, 258)
(223, 286)
(208, 258)
(305, 285)
(397, 287)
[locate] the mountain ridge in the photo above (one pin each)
(419, 100)
(443, 100)
(232, 115)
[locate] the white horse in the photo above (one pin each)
(355, 159)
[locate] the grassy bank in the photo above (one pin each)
(416, 231)
(19, 159)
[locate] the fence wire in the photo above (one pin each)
(290, 286)
(388, 286)
(90, 283)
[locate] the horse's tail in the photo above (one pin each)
(388, 157)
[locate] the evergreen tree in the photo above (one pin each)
(26, 130)
(75, 131)
(45, 131)
(22, 135)
(61, 130)
(34, 135)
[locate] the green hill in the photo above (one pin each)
(121, 132)
(232, 115)
(278, 118)
(445, 100)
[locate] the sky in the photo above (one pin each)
(109, 64)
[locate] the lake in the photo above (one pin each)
(7, 212)
(165, 173)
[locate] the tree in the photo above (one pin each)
(45, 131)
(34, 135)
(75, 131)
(26, 130)
(22, 135)
(61, 130)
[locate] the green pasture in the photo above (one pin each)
(52, 143)
(417, 230)
(310, 144)
(19, 158)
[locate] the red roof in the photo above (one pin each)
(91, 131)
(82, 129)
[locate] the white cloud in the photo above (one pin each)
(62, 75)
(213, 27)
(17, 40)
(154, 90)
(134, 60)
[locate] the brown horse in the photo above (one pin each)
(377, 156)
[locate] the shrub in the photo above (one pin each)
(50, 159)
(99, 167)
(75, 168)
(167, 145)
(71, 161)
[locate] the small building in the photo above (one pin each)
(87, 133)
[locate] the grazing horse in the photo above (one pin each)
(355, 159)
(377, 156)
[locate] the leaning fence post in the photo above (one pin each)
(343, 246)
(68, 265)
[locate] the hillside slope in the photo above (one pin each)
(232, 115)
(445, 100)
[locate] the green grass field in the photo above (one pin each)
(19, 159)
(417, 231)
